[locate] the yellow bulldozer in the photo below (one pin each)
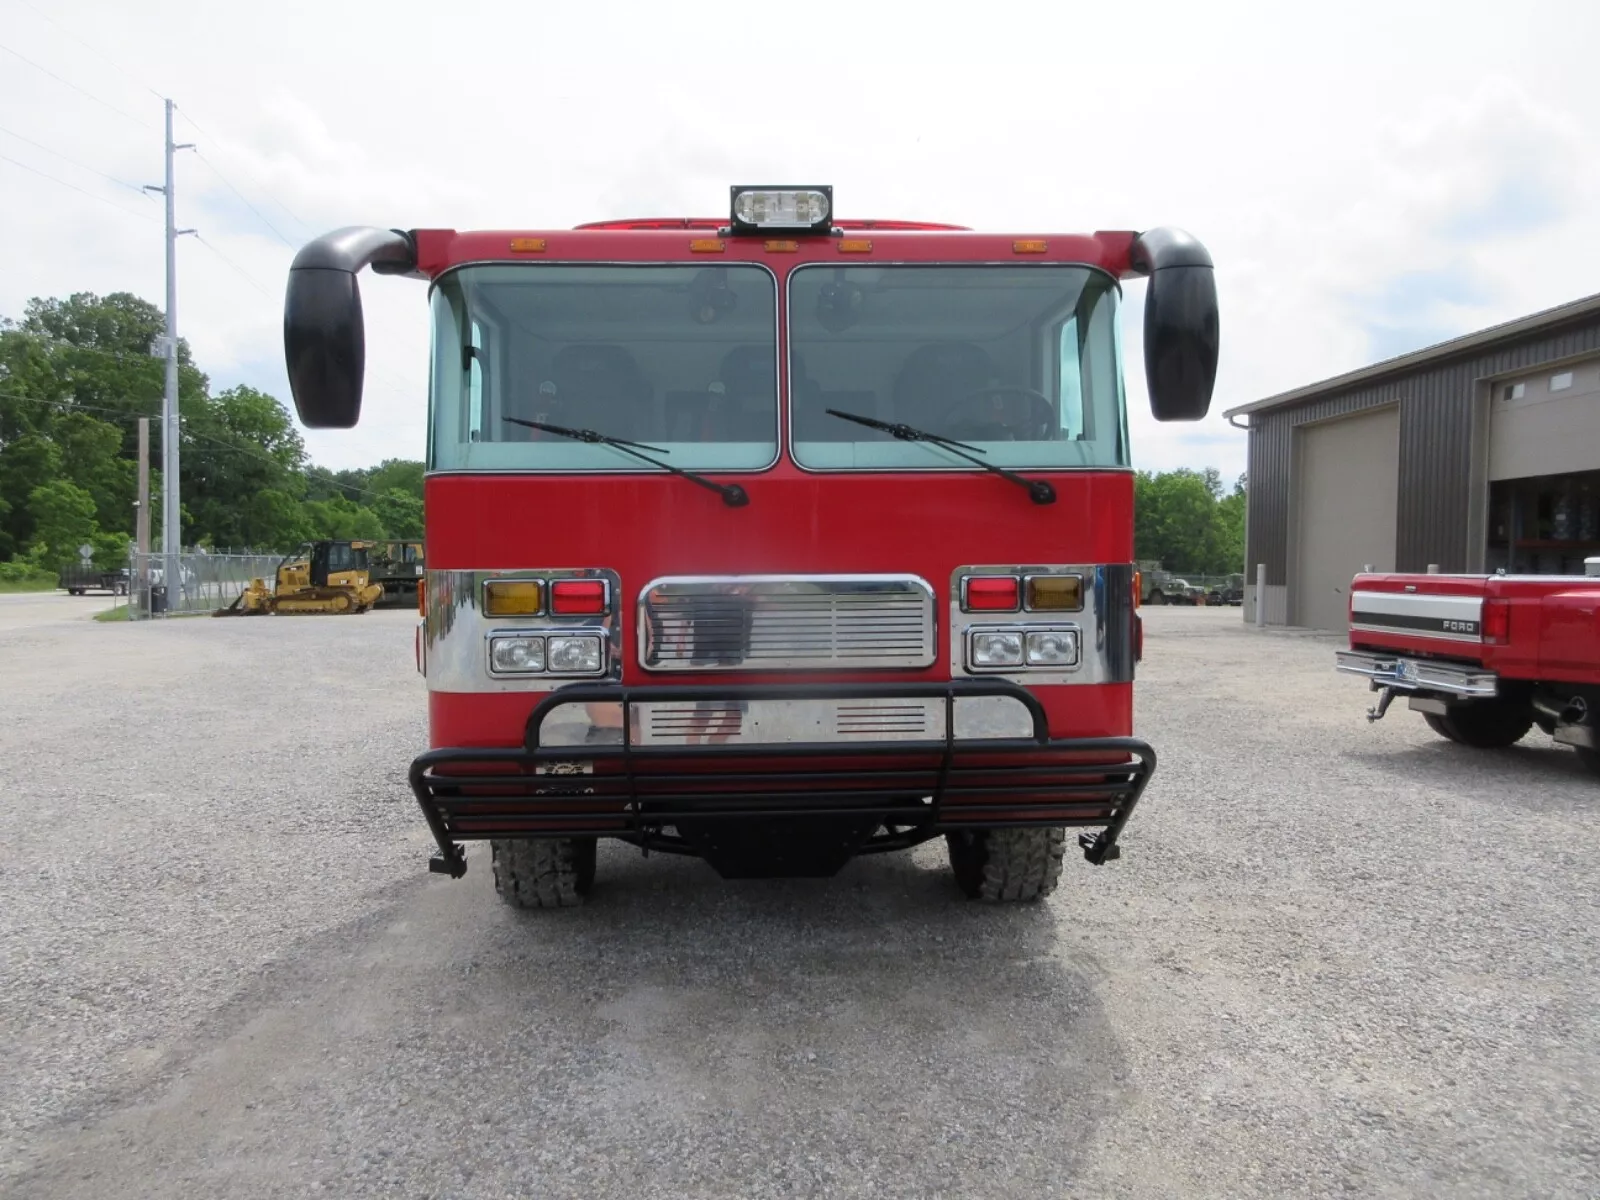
(321, 577)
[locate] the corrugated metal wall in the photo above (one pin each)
(1436, 419)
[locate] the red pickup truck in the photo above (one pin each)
(1483, 658)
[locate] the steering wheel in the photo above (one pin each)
(967, 419)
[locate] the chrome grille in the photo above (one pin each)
(765, 623)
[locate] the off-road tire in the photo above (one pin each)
(543, 872)
(1007, 865)
(1485, 725)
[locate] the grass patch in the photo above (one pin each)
(119, 613)
(28, 583)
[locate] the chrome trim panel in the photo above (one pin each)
(842, 721)
(1418, 675)
(1104, 624)
(787, 623)
(456, 631)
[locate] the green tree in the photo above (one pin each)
(90, 450)
(26, 464)
(63, 520)
(343, 519)
(238, 447)
(396, 474)
(400, 512)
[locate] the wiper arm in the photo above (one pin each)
(1039, 490)
(732, 494)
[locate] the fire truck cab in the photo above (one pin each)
(774, 538)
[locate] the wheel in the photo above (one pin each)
(1485, 725)
(998, 865)
(543, 872)
(1440, 726)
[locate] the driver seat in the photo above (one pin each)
(599, 387)
(937, 375)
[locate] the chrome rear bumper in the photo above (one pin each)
(1419, 674)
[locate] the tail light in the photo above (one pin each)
(1497, 622)
(1138, 639)
(422, 597)
(578, 597)
(1138, 587)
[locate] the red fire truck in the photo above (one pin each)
(1483, 658)
(773, 539)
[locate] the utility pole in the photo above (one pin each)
(141, 527)
(171, 522)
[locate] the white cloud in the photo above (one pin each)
(1330, 161)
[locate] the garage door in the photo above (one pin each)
(1348, 474)
(1546, 424)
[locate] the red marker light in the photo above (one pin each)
(1497, 622)
(577, 597)
(993, 593)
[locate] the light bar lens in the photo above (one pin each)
(1053, 648)
(997, 649)
(575, 655)
(578, 597)
(780, 209)
(513, 598)
(516, 655)
(1055, 593)
(991, 593)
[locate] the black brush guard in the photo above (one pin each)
(899, 793)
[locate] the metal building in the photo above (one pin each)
(1476, 454)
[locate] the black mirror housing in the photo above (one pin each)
(324, 333)
(1181, 324)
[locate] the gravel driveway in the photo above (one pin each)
(1334, 960)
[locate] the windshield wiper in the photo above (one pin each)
(732, 494)
(1039, 490)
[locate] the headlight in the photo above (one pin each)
(996, 649)
(1053, 648)
(575, 655)
(516, 655)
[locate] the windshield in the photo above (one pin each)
(1022, 362)
(682, 358)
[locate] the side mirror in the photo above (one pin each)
(324, 335)
(1181, 336)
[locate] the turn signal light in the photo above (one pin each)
(1055, 593)
(1497, 621)
(577, 597)
(513, 597)
(991, 593)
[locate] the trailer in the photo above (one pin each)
(77, 579)
(1483, 658)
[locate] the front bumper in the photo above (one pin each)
(901, 789)
(1422, 675)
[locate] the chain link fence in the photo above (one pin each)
(205, 582)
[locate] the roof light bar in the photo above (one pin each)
(786, 209)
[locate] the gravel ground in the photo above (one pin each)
(1334, 959)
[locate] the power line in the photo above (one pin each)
(133, 187)
(89, 46)
(76, 188)
(205, 133)
(217, 171)
(243, 274)
(83, 91)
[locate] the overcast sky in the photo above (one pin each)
(1370, 177)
